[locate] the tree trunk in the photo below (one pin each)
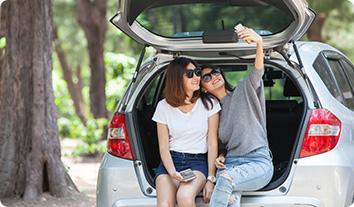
(75, 89)
(3, 9)
(91, 15)
(315, 31)
(29, 145)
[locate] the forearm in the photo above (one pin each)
(212, 155)
(167, 161)
(213, 124)
(259, 61)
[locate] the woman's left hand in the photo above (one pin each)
(207, 191)
(219, 162)
(249, 35)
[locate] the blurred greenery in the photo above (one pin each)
(121, 53)
(2, 42)
(91, 135)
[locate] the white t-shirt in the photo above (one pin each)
(187, 131)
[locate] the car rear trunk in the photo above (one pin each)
(285, 114)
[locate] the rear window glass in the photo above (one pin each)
(191, 20)
(342, 83)
(273, 87)
(323, 71)
(350, 72)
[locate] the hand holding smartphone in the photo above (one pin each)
(187, 175)
(239, 28)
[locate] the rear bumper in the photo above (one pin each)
(271, 201)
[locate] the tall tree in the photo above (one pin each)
(91, 15)
(75, 89)
(29, 145)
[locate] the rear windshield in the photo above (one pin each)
(191, 20)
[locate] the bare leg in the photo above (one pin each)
(188, 191)
(166, 189)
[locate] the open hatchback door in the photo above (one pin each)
(178, 25)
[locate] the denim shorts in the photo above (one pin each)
(182, 161)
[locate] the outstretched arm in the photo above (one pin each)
(251, 36)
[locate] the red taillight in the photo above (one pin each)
(322, 133)
(118, 143)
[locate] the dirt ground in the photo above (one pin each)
(83, 171)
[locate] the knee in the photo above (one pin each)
(224, 183)
(226, 175)
(165, 204)
(185, 199)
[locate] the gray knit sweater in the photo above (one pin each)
(242, 126)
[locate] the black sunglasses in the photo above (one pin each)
(208, 76)
(190, 72)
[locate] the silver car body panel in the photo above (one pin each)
(116, 180)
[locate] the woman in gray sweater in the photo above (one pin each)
(247, 164)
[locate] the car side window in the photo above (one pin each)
(328, 66)
(322, 68)
(343, 83)
(349, 70)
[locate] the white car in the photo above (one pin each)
(309, 98)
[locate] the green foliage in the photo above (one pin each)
(339, 27)
(89, 149)
(91, 135)
(2, 42)
(70, 34)
(94, 130)
(119, 71)
(326, 6)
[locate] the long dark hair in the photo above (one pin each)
(208, 97)
(174, 88)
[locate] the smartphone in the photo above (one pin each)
(239, 27)
(187, 175)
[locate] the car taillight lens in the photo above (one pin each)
(118, 143)
(322, 133)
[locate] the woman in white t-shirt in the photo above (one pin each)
(187, 133)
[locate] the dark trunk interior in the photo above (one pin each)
(284, 118)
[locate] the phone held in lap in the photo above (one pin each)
(187, 175)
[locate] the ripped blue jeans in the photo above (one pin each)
(249, 172)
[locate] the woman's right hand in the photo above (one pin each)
(219, 162)
(177, 176)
